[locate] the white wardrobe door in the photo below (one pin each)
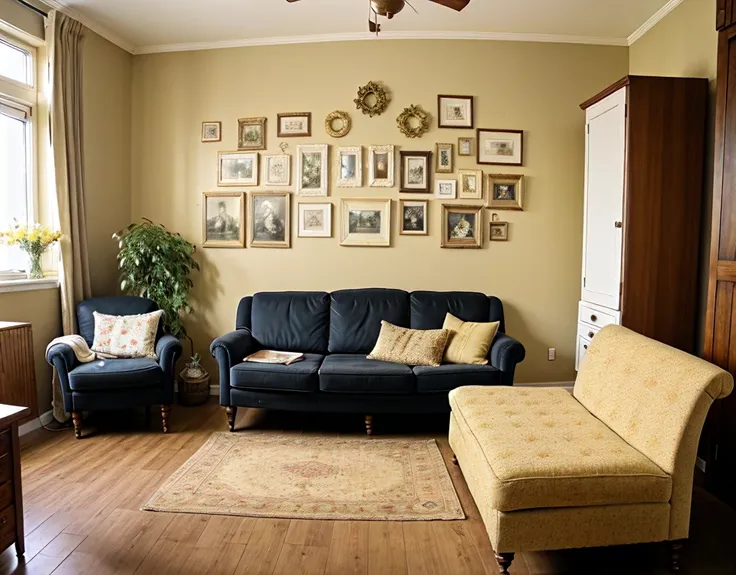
(604, 195)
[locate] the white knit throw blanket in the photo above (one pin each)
(80, 348)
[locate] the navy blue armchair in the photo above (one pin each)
(117, 383)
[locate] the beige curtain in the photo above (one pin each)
(64, 39)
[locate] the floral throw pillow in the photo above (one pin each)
(126, 335)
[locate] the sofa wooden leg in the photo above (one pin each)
(675, 549)
(231, 412)
(77, 420)
(165, 411)
(369, 424)
(454, 459)
(504, 562)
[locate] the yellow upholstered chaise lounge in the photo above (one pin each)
(610, 464)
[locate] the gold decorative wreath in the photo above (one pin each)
(342, 117)
(381, 99)
(405, 118)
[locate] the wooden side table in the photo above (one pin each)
(11, 493)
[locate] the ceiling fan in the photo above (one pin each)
(389, 8)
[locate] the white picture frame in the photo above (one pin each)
(381, 166)
(237, 169)
(350, 167)
(311, 170)
(365, 222)
(277, 170)
(314, 220)
(445, 189)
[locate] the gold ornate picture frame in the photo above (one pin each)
(337, 124)
(462, 226)
(223, 219)
(252, 134)
(505, 191)
(270, 214)
(444, 159)
(372, 99)
(413, 122)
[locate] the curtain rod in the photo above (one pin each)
(32, 7)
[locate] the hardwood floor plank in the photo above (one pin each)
(422, 554)
(225, 529)
(220, 560)
(348, 553)
(166, 557)
(62, 545)
(264, 547)
(310, 533)
(386, 548)
(456, 548)
(301, 560)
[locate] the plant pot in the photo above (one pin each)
(194, 391)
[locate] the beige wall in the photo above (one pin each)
(534, 87)
(685, 43)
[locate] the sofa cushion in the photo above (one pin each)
(291, 321)
(299, 376)
(101, 375)
(429, 308)
(357, 374)
(448, 376)
(540, 448)
(410, 346)
(116, 305)
(355, 317)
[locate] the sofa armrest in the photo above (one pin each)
(61, 357)
(168, 350)
(229, 350)
(505, 354)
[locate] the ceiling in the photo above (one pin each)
(156, 25)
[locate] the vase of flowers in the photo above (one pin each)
(34, 241)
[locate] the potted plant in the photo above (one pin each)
(33, 240)
(156, 264)
(194, 383)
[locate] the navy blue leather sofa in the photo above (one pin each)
(335, 332)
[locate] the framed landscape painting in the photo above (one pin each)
(311, 170)
(269, 219)
(223, 220)
(501, 147)
(237, 168)
(252, 134)
(315, 220)
(365, 222)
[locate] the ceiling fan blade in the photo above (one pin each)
(454, 4)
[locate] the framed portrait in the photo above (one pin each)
(462, 226)
(466, 146)
(381, 166)
(297, 125)
(269, 219)
(252, 134)
(413, 216)
(365, 222)
(277, 170)
(500, 147)
(455, 112)
(444, 160)
(223, 220)
(315, 220)
(211, 131)
(311, 170)
(499, 231)
(505, 191)
(416, 172)
(350, 167)
(237, 168)
(445, 189)
(471, 184)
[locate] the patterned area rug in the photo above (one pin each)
(265, 475)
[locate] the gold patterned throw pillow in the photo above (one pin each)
(410, 346)
(469, 341)
(126, 335)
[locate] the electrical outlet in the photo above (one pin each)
(551, 354)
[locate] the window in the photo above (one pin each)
(17, 153)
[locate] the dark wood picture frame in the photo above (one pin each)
(472, 112)
(307, 115)
(479, 142)
(428, 159)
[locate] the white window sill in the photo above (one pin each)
(28, 285)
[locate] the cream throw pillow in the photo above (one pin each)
(410, 346)
(126, 335)
(469, 341)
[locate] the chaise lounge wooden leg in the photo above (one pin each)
(77, 420)
(454, 459)
(504, 562)
(231, 412)
(369, 424)
(675, 548)
(165, 411)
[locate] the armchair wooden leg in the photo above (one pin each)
(369, 424)
(504, 562)
(232, 412)
(165, 411)
(454, 459)
(77, 420)
(675, 548)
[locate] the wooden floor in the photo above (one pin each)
(82, 500)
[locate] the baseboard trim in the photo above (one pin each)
(34, 424)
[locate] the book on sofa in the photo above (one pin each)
(270, 356)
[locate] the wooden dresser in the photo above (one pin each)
(17, 369)
(11, 494)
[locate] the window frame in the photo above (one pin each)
(30, 61)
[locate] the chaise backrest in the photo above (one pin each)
(429, 308)
(115, 305)
(656, 398)
(290, 321)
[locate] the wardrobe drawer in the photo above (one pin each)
(596, 317)
(6, 468)
(6, 445)
(6, 494)
(581, 351)
(7, 523)
(587, 331)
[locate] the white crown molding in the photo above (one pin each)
(92, 25)
(365, 36)
(654, 20)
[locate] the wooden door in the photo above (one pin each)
(605, 158)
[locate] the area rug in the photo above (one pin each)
(302, 477)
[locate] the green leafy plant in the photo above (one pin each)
(156, 264)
